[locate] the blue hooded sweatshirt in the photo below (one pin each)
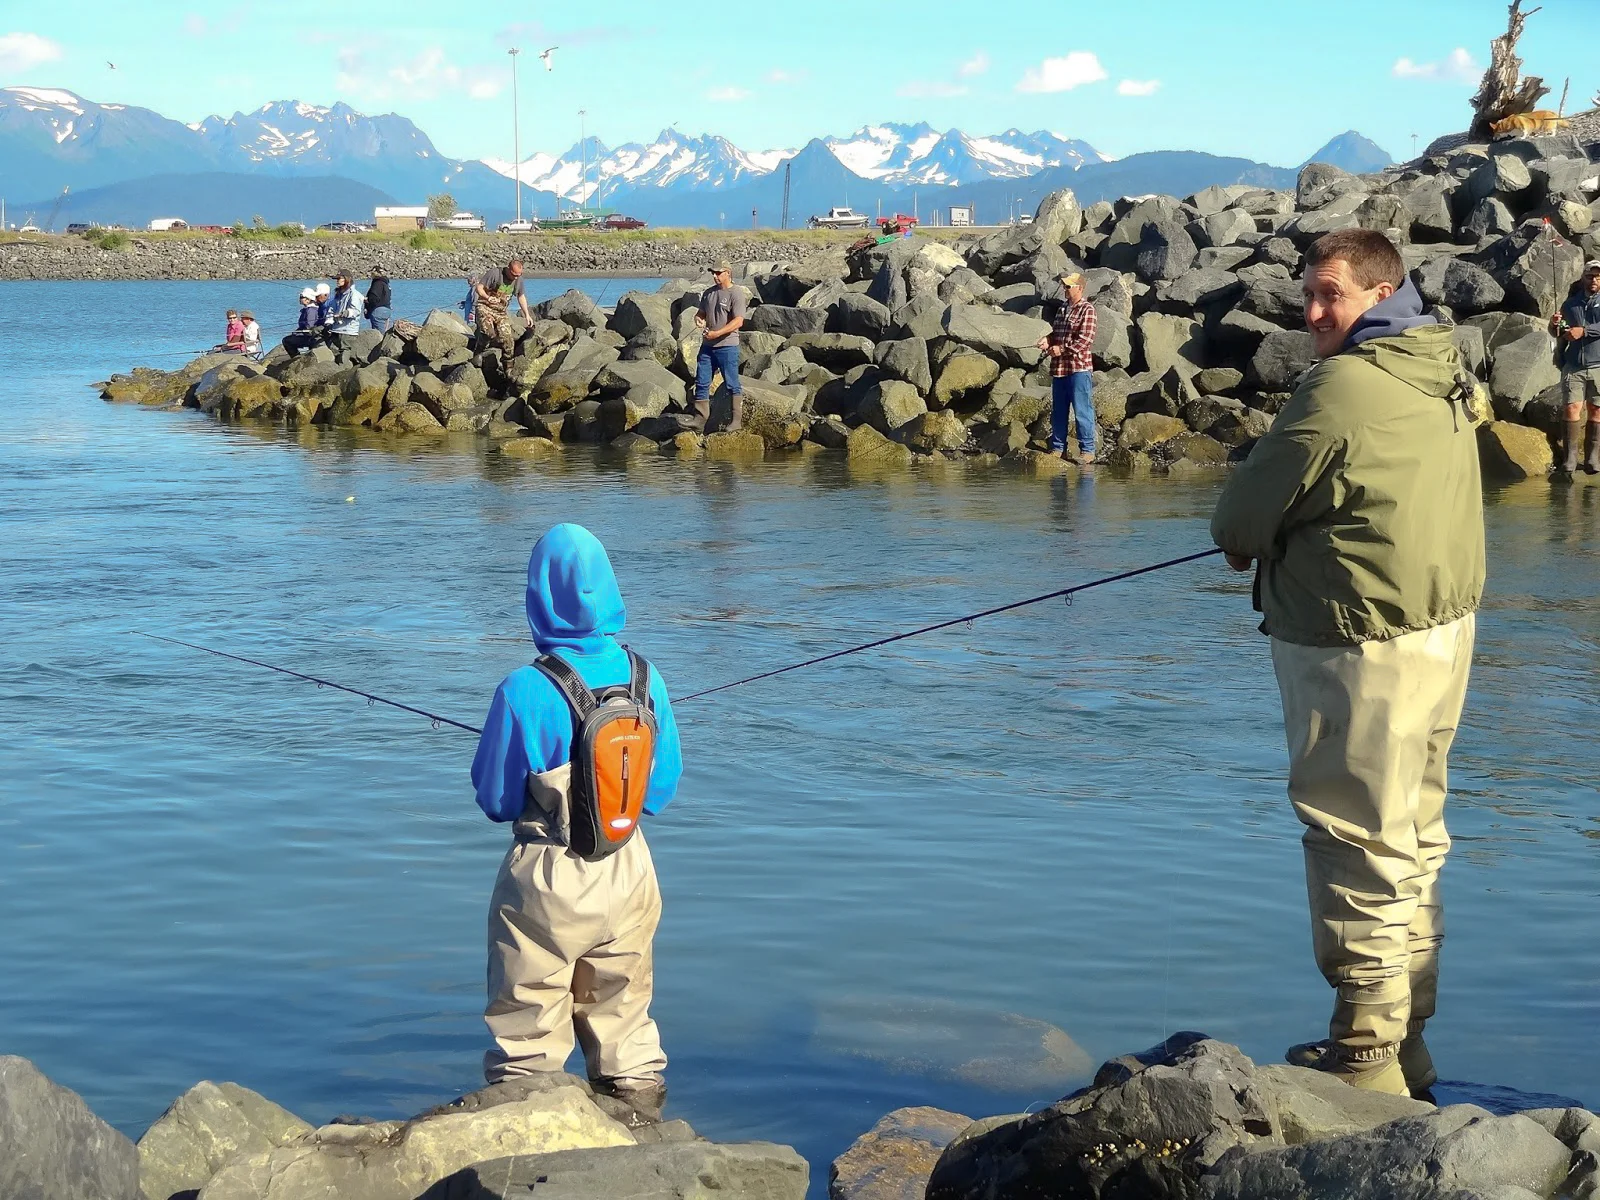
(575, 610)
(1391, 317)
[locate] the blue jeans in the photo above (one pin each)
(379, 319)
(1072, 394)
(713, 359)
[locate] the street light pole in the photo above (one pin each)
(516, 132)
(583, 159)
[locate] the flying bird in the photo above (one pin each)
(111, 64)
(545, 58)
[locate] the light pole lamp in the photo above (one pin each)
(516, 132)
(583, 159)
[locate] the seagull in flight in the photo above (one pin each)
(111, 64)
(545, 58)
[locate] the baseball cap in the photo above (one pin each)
(1592, 265)
(322, 290)
(307, 294)
(341, 274)
(721, 265)
(1071, 278)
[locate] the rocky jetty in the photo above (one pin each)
(915, 349)
(1194, 1119)
(69, 257)
(550, 1134)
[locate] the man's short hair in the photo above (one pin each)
(1371, 256)
(515, 262)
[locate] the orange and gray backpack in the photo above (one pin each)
(613, 751)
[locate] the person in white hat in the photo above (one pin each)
(305, 333)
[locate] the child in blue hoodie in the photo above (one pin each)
(570, 941)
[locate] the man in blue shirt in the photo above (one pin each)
(1577, 330)
(570, 941)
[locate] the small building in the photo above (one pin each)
(962, 215)
(402, 219)
(166, 225)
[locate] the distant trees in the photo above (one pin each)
(441, 206)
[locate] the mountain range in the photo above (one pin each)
(122, 162)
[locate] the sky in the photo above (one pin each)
(1265, 80)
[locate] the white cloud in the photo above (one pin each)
(1457, 67)
(780, 76)
(727, 95)
(930, 89)
(24, 51)
(1138, 87)
(1062, 74)
(978, 64)
(427, 75)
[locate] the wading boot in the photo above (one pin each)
(1374, 1070)
(635, 1107)
(1415, 1061)
(702, 414)
(737, 422)
(1574, 448)
(1591, 464)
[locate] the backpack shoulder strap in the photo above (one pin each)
(570, 684)
(639, 680)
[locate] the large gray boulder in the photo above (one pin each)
(1151, 241)
(667, 1171)
(52, 1147)
(1113, 339)
(646, 384)
(1319, 184)
(860, 316)
(573, 308)
(401, 1160)
(1280, 301)
(1438, 1156)
(1148, 1127)
(1225, 228)
(892, 1161)
(1465, 287)
(203, 1130)
(639, 311)
(1057, 218)
(906, 359)
(961, 376)
(1279, 361)
(891, 404)
(1534, 266)
(786, 322)
(1503, 175)
(1005, 337)
(1522, 369)
(838, 352)
(1170, 341)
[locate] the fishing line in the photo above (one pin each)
(1061, 593)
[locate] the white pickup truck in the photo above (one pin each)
(840, 218)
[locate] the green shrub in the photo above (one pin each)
(291, 229)
(427, 239)
(111, 239)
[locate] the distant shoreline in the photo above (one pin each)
(189, 256)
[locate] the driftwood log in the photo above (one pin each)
(1504, 92)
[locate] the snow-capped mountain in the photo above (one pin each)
(894, 155)
(51, 139)
(591, 172)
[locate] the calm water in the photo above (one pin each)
(885, 878)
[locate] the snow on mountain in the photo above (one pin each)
(893, 154)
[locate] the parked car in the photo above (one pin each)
(341, 227)
(840, 218)
(618, 221)
(29, 227)
(220, 230)
(461, 220)
(79, 227)
(517, 226)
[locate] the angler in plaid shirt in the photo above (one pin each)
(1070, 345)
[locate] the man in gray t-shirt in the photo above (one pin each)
(720, 318)
(493, 292)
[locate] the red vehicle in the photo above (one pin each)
(899, 223)
(617, 221)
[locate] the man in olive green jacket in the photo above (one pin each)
(1363, 512)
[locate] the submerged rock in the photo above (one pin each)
(671, 1171)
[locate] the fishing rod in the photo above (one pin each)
(1065, 593)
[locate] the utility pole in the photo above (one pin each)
(516, 131)
(583, 159)
(785, 224)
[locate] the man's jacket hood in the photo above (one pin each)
(1387, 318)
(573, 601)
